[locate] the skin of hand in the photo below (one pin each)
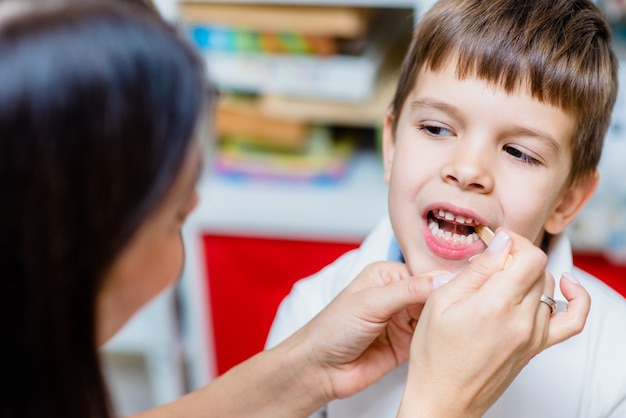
(477, 331)
(364, 333)
(367, 330)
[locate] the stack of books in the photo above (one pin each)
(291, 73)
(255, 146)
(312, 52)
(323, 161)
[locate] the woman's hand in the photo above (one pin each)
(366, 331)
(361, 335)
(479, 330)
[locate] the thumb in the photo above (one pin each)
(485, 265)
(564, 325)
(384, 301)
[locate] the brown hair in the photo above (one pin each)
(98, 104)
(560, 49)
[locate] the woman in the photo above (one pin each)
(100, 105)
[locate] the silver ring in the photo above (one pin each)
(548, 301)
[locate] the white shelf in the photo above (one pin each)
(346, 210)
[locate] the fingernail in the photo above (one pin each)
(442, 279)
(472, 258)
(499, 243)
(570, 277)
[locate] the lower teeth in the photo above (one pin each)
(455, 238)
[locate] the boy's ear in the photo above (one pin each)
(573, 200)
(388, 144)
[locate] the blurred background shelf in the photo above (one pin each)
(344, 211)
(296, 179)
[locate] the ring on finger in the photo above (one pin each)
(548, 301)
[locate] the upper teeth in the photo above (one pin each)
(449, 216)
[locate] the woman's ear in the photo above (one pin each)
(572, 202)
(388, 144)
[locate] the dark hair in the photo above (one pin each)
(560, 49)
(98, 105)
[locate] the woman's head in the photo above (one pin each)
(98, 106)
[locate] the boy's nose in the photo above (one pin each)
(469, 171)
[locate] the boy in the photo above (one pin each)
(498, 119)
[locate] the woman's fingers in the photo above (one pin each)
(366, 330)
(386, 288)
(548, 290)
(378, 274)
(566, 324)
(522, 278)
(541, 311)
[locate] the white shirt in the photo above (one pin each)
(583, 377)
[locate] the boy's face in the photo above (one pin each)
(466, 152)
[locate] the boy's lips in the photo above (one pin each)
(450, 233)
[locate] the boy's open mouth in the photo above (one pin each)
(455, 229)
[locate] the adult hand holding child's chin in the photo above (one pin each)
(477, 331)
(366, 331)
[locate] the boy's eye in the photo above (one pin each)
(436, 130)
(520, 155)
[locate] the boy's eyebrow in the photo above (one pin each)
(543, 136)
(517, 130)
(429, 103)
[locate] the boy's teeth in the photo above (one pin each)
(449, 216)
(455, 238)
